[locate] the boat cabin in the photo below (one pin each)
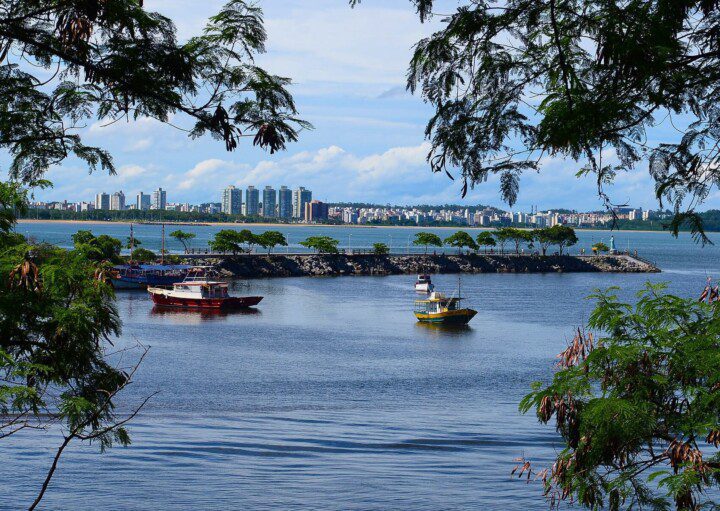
(436, 303)
(201, 289)
(423, 279)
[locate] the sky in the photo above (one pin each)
(368, 145)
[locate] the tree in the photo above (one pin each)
(249, 238)
(227, 240)
(600, 247)
(133, 242)
(426, 239)
(322, 244)
(602, 74)
(637, 406)
(518, 237)
(271, 239)
(143, 255)
(503, 235)
(97, 248)
(563, 236)
(461, 239)
(485, 239)
(57, 316)
(380, 249)
(113, 60)
(183, 237)
(544, 237)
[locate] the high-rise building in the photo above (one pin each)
(159, 199)
(102, 201)
(284, 202)
(269, 198)
(316, 211)
(252, 201)
(301, 196)
(142, 201)
(117, 201)
(232, 200)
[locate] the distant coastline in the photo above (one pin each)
(295, 225)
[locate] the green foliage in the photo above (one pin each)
(637, 405)
(116, 61)
(485, 239)
(57, 314)
(380, 249)
(227, 240)
(461, 239)
(183, 237)
(100, 248)
(600, 247)
(143, 255)
(132, 242)
(602, 73)
(271, 239)
(560, 235)
(322, 244)
(503, 235)
(426, 239)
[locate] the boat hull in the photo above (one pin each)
(452, 317)
(233, 302)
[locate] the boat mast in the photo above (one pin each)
(162, 250)
(132, 240)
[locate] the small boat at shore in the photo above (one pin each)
(201, 293)
(424, 284)
(141, 276)
(438, 308)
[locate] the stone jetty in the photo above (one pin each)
(298, 265)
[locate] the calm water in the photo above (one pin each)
(331, 396)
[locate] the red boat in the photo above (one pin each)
(200, 293)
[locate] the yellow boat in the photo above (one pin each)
(438, 308)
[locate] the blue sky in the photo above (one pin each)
(368, 144)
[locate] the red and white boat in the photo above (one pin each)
(199, 292)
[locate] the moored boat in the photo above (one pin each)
(199, 292)
(438, 308)
(424, 284)
(140, 276)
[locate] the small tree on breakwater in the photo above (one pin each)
(380, 249)
(485, 239)
(461, 239)
(321, 244)
(426, 239)
(183, 237)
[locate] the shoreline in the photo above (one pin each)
(348, 226)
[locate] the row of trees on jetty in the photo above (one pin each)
(542, 239)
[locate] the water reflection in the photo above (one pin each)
(438, 330)
(196, 316)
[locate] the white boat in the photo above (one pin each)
(424, 284)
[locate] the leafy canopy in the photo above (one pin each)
(271, 239)
(485, 239)
(637, 405)
(57, 318)
(100, 248)
(322, 244)
(227, 240)
(426, 239)
(65, 63)
(183, 237)
(380, 249)
(600, 247)
(514, 81)
(461, 239)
